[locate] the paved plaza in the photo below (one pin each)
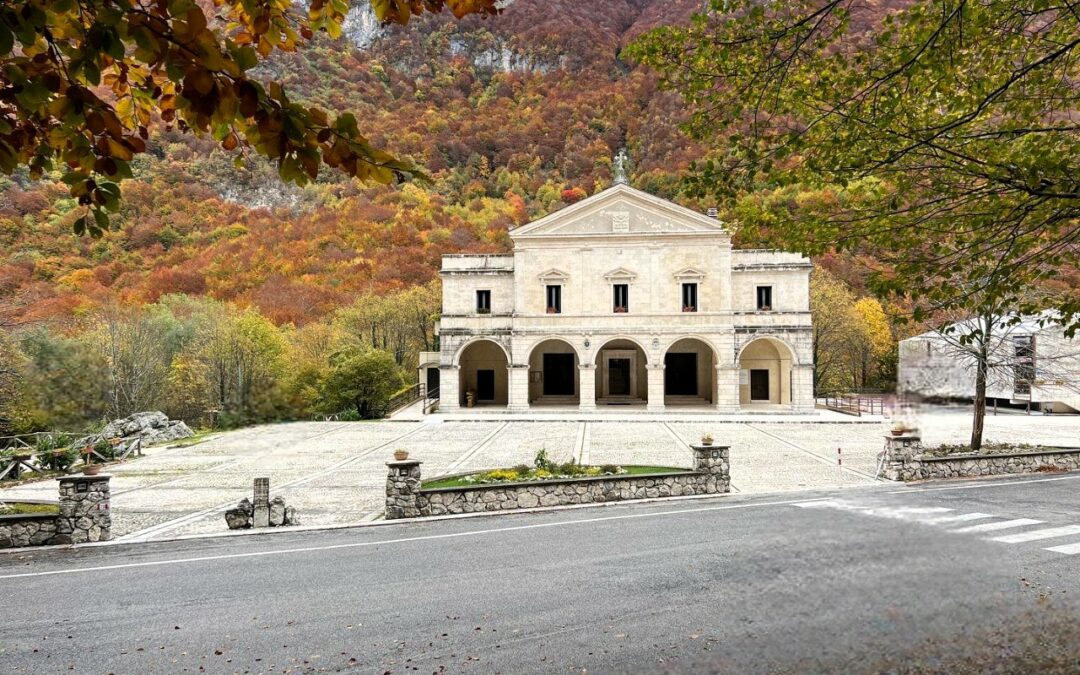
(334, 472)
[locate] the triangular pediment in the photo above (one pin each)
(690, 273)
(553, 275)
(621, 211)
(620, 274)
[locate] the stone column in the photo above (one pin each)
(727, 389)
(715, 461)
(802, 388)
(518, 388)
(449, 392)
(899, 462)
(84, 510)
(403, 489)
(655, 375)
(586, 387)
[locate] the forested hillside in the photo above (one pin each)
(224, 293)
(511, 117)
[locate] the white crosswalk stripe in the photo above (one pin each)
(1036, 535)
(1067, 549)
(1000, 525)
(961, 518)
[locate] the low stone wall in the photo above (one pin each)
(32, 529)
(906, 461)
(84, 517)
(406, 499)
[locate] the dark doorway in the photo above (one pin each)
(432, 380)
(680, 374)
(558, 374)
(618, 377)
(759, 385)
(485, 385)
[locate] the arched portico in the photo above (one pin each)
(622, 374)
(553, 373)
(483, 372)
(690, 373)
(765, 370)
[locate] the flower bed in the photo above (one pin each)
(542, 469)
(987, 449)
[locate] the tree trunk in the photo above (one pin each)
(980, 397)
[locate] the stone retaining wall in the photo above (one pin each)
(905, 461)
(405, 498)
(84, 517)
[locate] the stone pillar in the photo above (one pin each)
(518, 390)
(727, 389)
(714, 460)
(899, 461)
(403, 489)
(84, 510)
(449, 392)
(655, 375)
(261, 503)
(802, 388)
(586, 387)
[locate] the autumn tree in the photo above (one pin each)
(83, 81)
(944, 134)
(362, 380)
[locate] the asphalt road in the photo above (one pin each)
(860, 580)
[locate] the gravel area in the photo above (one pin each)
(334, 472)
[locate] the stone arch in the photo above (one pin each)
(767, 363)
(554, 377)
(622, 373)
(690, 371)
(483, 373)
(465, 345)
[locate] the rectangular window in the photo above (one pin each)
(620, 298)
(483, 302)
(764, 298)
(689, 297)
(554, 299)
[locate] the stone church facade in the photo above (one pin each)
(624, 299)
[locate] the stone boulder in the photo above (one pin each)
(152, 427)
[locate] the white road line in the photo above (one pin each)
(824, 460)
(962, 518)
(474, 450)
(1067, 549)
(1000, 525)
(155, 530)
(402, 540)
(1036, 535)
(579, 445)
(980, 485)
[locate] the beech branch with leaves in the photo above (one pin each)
(82, 82)
(942, 139)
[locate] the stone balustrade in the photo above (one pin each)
(406, 499)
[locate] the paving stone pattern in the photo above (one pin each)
(335, 472)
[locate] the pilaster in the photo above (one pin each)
(586, 387)
(655, 375)
(727, 389)
(518, 394)
(449, 389)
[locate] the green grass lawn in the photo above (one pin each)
(630, 470)
(22, 508)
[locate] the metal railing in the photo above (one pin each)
(405, 398)
(853, 405)
(431, 401)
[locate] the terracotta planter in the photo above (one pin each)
(91, 469)
(401, 455)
